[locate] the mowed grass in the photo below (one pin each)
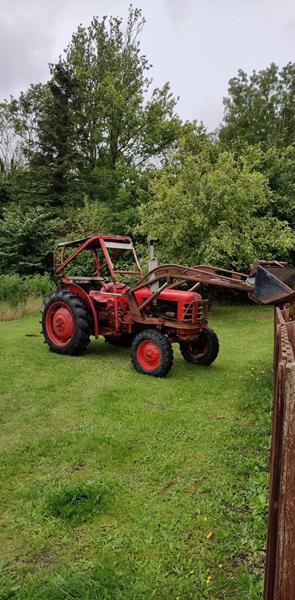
(115, 485)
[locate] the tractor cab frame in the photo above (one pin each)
(105, 243)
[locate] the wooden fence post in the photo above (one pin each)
(280, 553)
(285, 562)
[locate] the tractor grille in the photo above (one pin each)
(193, 312)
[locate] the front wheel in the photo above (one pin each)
(203, 351)
(151, 353)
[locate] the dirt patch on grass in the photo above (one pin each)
(78, 466)
(44, 559)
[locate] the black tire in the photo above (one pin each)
(124, 340)
(150, 341)
(203, 351)
(80, 323)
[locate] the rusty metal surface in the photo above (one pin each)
(200, 273)
(93, 243)
(270, 282)
(280, 555)
(273, 284)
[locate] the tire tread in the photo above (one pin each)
(81, 337)
(209, 358)
(166, 349)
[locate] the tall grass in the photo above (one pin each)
(22, 295)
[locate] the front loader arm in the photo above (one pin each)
(200, 273)
(268, 282)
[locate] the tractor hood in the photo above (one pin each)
(168, 295)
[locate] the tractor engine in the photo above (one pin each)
(110, 315)
(176, 305)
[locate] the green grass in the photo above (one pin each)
(119, 486)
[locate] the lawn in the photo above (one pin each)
(115, 485)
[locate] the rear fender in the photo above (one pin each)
(76, 289)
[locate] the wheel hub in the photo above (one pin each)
(63, 323)
(60, 323)
(149, 355)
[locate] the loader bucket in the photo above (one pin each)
(273, 285)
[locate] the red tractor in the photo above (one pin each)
(149, 312)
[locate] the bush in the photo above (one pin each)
(16, 290)
(27, 237)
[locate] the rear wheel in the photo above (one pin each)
(151, 353)
(65, 323)
(203, 351)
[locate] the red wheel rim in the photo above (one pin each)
(59, 323)
(149, 355)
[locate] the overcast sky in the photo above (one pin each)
(197, 45)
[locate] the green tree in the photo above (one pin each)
(277, 165)
(4, 188)
(26, 240)
(54, 162)
(122, 125)
(18, 142)
(260, 108)
(212, 207)
(119, 117)
(97, 125)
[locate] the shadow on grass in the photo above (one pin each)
(180, 367)
(98, 348)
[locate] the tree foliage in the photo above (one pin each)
(277, 165)
(259, 108)
(98, 148)
(26, 240)
(97, 123)
(214, 207)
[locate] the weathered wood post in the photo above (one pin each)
(280, 554)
